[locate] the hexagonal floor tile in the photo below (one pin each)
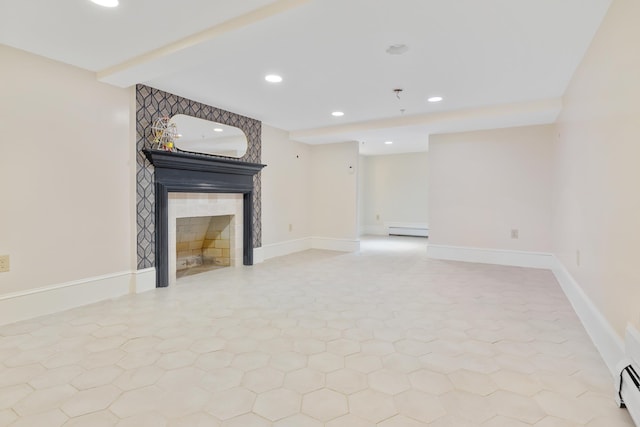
(324, 405)
(430, 382)
(372, 405)
(343, 347)
(304, 380)
(388, 382)
(473, 382)
(277, 404)
(420, 406)
(288, 361)
(364, 363)
(325, 362)
(298, 420)
(247, 420)
(263, 379)
(349, 420)
(346, 381)
(231, 403)
(92, 400)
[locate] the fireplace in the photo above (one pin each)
(204, 243)
(202, 186)
(205, 232)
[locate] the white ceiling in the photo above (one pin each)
(497, 63)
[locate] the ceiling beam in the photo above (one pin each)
(172, 57)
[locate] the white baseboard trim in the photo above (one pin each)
(604, 337)
(285, 248)
(258, 255)
(609, 344)
(331, 244)
(143, 280)
(298, 245)
(492, 256)
(18, 306)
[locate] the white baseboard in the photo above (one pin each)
(285, 248)
(331, 244)
(609, 344)
(604, 337)
(143, 280)
(24, 305)
(492, 256)
(298, 245)
(258, 255)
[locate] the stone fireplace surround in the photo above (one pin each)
(206, 205)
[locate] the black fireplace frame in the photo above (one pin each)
(181, 172)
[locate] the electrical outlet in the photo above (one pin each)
(4, 263)
(377, 217)
(290, 227)
(514, 233)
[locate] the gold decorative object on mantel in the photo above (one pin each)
(164, 133)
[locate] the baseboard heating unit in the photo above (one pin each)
(417, 231)
(629, 380)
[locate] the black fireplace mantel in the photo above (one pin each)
(180, 172)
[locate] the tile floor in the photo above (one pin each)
(384, 337)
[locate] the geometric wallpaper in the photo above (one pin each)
(152, 103)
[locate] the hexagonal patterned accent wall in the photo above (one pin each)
(153, 103)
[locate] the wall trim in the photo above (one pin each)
(492, 256)
(332, 244)
(258, 255)
(287, 247)
(298, 245)
(23, 305)
(609, 344)
(143, 280)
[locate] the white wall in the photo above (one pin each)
(67, 169)
(286, 187)
(334, 189)
(484, 184)
(309, 195)
(597, 197)
(394, 191)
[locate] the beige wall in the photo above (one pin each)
(286, 186)
(334, 189)
(597, 197)
(309, 187)
(485, 183)
(395, 188)
(67, 171)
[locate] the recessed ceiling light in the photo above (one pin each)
(397, 49)
(217, 129)
(106, 3)
(273, 78)
(337, 114)
(435, 99)
(388, 142)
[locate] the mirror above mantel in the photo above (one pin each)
(203, 136)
